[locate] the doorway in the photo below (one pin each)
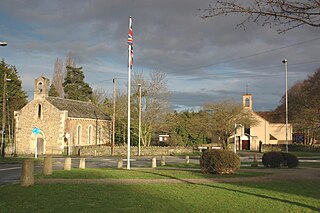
(245, 144)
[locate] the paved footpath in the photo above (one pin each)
(301, 174)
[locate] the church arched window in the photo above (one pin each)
(90, 134)
(79, 128)
(39, 110)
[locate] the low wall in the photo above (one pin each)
(122, 150)
(291, 147)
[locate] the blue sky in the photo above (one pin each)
(204, 60)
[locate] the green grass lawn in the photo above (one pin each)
(309, 164)
(218, 197)
(160, 173)
(285, 196)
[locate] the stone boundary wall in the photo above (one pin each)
(291, 147)
(103, 150)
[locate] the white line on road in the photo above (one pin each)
(10, 168)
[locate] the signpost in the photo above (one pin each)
(36, 131)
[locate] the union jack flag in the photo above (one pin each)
(130, 43)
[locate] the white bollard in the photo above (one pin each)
(82, 164)
(120, 163)
(154, 162)
(67, 164)
(187, 159)
(163, 160)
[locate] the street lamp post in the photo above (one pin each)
(285, 61)
(3, 107)
(139, 143)
(4, 102)
(113, 117)
(3, 44)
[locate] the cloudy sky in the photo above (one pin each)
(204, 60)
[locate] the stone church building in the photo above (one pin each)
(265, 132)
(63, 125)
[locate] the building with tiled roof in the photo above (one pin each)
(64, 125)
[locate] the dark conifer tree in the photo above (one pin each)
(74, 86)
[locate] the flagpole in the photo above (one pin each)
(129, 91)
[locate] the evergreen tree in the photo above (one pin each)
(16, 97)
(74, 86)
(53, 92)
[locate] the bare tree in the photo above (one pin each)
(283, 14)
(99, 96)
(155, 103)
(70, 60)
(59, 72)
(58, 77)
(222, 116)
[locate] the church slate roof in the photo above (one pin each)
(78, 109)
(271, 117)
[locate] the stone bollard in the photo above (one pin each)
(47, 166)
(187, 159)
(120, 163)
(255, 158)
(163, 160)
(154, 162)
(27, 175)
(67, 164)
(82, 164)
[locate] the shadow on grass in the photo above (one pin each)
(241, 191)
(263, 196)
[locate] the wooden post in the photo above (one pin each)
(47, 166)
(27, 175)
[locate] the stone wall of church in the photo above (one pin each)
(88, 132)
(40, 113)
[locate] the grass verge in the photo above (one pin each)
(161, 173)
(218, 197)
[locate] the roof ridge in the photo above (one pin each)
(70, 99)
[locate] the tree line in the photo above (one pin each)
(214, 122)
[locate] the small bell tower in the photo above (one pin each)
(41, 88)
(247, 101)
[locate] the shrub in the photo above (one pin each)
(290, 160)
(219, 161)
(273, 159)
(279, 159)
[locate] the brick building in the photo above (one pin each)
(61, 121)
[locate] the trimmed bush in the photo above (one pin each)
(219, 161)
(279, 159)
(291, 161)
(273, 159)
